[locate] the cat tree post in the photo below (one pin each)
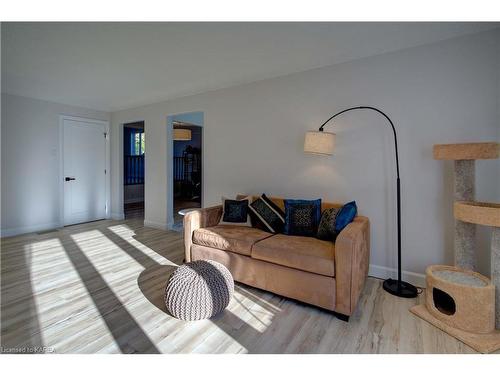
(465, 233)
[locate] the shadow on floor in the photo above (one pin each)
(143, 235)
(152, 282)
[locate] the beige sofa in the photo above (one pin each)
(307, 269)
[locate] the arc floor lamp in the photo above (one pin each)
(322, 143)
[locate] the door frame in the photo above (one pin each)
(120, 215)
(170, 162)
(62, 118)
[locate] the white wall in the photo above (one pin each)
(253, 136)
(30, 162)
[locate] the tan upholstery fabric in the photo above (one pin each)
(237, 239)
(352, 258)
(307, 287)
(203, 218)
(303, 253)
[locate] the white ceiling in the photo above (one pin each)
(111, 66)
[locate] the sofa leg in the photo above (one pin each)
(342, 317)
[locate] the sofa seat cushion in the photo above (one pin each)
(303, 253)
(237, 239)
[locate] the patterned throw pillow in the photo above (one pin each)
(326, 228)
(346, 214)
(270, 217)
(235, 212)
(302, 217)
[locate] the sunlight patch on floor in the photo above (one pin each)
(252, 312)
(55, 276)
(96, 242)
(102, 252)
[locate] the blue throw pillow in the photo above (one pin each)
(346, 214)
(302, 217)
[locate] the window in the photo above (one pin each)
(137, 143)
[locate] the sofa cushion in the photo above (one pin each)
(235, 212)
(270, 217)
(303, 253)
(302, 217)
(326, 227)
(345, 215)
(237, 239)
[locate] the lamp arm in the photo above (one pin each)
(396, 287)
(376, 110)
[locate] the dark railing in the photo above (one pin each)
(178, 168)
(133, 169)
(187, 168)
(187, 176)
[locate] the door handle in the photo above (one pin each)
(69, 179)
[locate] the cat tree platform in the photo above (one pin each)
(467, 151)
(468, 213)
(481, 213)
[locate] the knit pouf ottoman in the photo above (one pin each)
(198, 290)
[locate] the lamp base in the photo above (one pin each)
(400, 288)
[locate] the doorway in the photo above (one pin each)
(134, 147)
(187, 183)
(84, 170)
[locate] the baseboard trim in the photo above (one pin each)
(156, 225)
(381, 272)
(117, 216)
(30, 229)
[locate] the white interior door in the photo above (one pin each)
(84, 166)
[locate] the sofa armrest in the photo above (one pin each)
(352, 259)
(202, 218)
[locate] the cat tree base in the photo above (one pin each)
(461, 303)
(483, 343)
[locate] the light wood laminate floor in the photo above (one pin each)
(98, 288)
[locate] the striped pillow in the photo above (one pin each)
(270, 217)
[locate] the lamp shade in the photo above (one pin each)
(319, 142)
(182, 135)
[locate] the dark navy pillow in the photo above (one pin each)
(346, 214)
(235, 211)
(302, 217)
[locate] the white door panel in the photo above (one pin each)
(84, 160)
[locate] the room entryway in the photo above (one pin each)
(84, 169)
(134, 147)
(186, 165)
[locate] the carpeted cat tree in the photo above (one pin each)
(460, 301)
